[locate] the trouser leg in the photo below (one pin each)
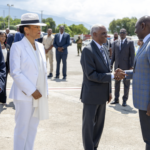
(64, 61)
(99, 124)
(78, 49)
(126, 89)
(145, 127)
(26, 126)
(117, 89)
(92, 127)
(58, 59)
(51, 60)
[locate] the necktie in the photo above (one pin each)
(121, 44)
(104, 56)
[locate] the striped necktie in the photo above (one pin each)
(104, 56)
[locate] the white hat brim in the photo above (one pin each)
(35, 24)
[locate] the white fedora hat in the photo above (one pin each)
(30, 19)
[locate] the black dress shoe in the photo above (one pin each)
(115, 101)
(124, 104)
(50, 75)
(57, 77)
(64, 78)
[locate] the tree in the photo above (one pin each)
(127, 23)
(78, 29)
(50, 24)
(67, 29)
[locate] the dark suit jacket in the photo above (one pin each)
(18, 37)
(124, 58)
(2, 70)
(96, 84)
(65, 42)
(10, 39)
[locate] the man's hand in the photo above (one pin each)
(60, 49)
(119, 74)
(148, 110)
(46, 51)
(110, 98)
(36, 95)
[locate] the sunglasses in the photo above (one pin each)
(122, 32)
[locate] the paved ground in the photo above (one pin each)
(63, 129)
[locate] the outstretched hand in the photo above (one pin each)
(119, 74)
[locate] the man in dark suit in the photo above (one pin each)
(61, 42)
(18, 36)
(96, 87)
(10, 37)
(2, 71)
(123, 56)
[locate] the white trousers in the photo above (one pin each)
(26, 125)
(49, 56)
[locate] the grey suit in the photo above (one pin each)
(95, 92)
(141, 89)
(124, 59)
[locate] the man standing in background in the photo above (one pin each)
(123, 56)
(18, 36)
(48, 45)
(61, 42)
(10, 37)
(79, 44)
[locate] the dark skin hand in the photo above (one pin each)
(60, 49)
(110, 98)
(36, 95)
(148, 110)
(119, 74)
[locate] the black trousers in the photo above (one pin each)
(93, 123)
(145, 127)
(126, 89)
(3, 94)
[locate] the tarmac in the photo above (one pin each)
(63, 130)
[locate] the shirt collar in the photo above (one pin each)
(98, 45)
(123, 40)
(146, 38)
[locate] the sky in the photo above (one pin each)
(87, 11)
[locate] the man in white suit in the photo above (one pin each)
(30, 88)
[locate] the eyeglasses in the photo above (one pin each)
(122, 32)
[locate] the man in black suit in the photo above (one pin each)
(10, 37)
(96, 87)
(123, 56)
(2, 71)
(61, 42)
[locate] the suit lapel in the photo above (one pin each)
(99, 53)
(29, 51)
(141, 49)
(42, 54)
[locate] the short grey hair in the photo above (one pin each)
(95, 28)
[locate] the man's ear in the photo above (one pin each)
(94, 34)
(143, 26)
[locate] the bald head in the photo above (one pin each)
(142, 27)
(95, 28)
(144, 19)
(99, 34)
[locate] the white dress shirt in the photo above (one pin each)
(146, 38)
(60, 37)
(4, 51)
(122, 41)
(99, 47)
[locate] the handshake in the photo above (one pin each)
(119, 74)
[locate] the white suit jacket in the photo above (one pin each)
(24, 70)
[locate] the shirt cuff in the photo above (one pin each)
(112, 76)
